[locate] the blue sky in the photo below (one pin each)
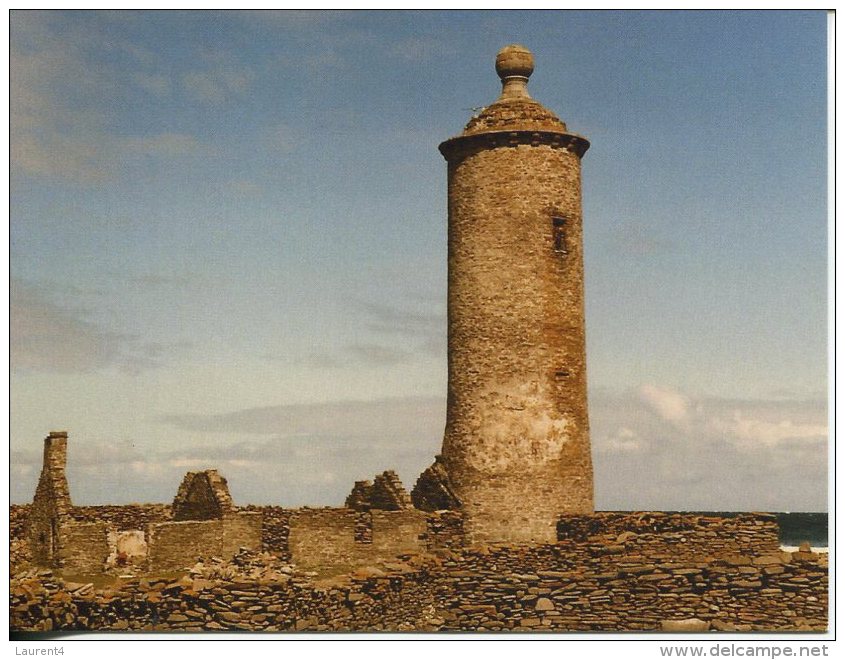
(228, 245)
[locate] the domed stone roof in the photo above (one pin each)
(514, 110)
(514, 118)
(514, 115)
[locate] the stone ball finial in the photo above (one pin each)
(514, 60)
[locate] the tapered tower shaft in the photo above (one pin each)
(516, 446)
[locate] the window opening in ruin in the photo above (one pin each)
(563, 373)
(559, 234)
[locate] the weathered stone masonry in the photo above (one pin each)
(55, 537)
(65, 537)
(516, 447)
(726, 573)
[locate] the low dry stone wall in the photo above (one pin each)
(18, 520)
(572, 586)
(568, 586)
(271, 601)
(608, 572)
(693, 533)
(20, 556)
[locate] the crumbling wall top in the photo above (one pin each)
(386, 492)
(202, 496)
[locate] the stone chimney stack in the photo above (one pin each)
(516, 447)
(51, 505)
(53, 475)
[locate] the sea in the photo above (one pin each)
(799, 526)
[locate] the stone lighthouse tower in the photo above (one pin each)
(516, 451)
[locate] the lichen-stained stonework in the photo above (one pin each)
(516, 445)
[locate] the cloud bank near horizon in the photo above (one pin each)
(653, 448)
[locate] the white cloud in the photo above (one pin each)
(668, 404)
(362, 419)
(405, 335)
(657, 448)
(752, 432)
(624, 440)
(46, 337)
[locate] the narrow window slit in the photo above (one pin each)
(559, 234)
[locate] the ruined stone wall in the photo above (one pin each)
(178, 545)
(85, 547)
(51, 503)
(397, 532)
(18, 520)
(325, 537)
(241, 530)
(388, 533)
(686, 536)
(445, 531)
(124, 516)
(344, 537)
(571, 586)
(202, 496)
(338, 535)
(516, 446)
(555, 587)
(275, 528)
(114, 517)
(20, 555)
(43, 602)
(388, 493)
(610, 571)
(85, 536)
